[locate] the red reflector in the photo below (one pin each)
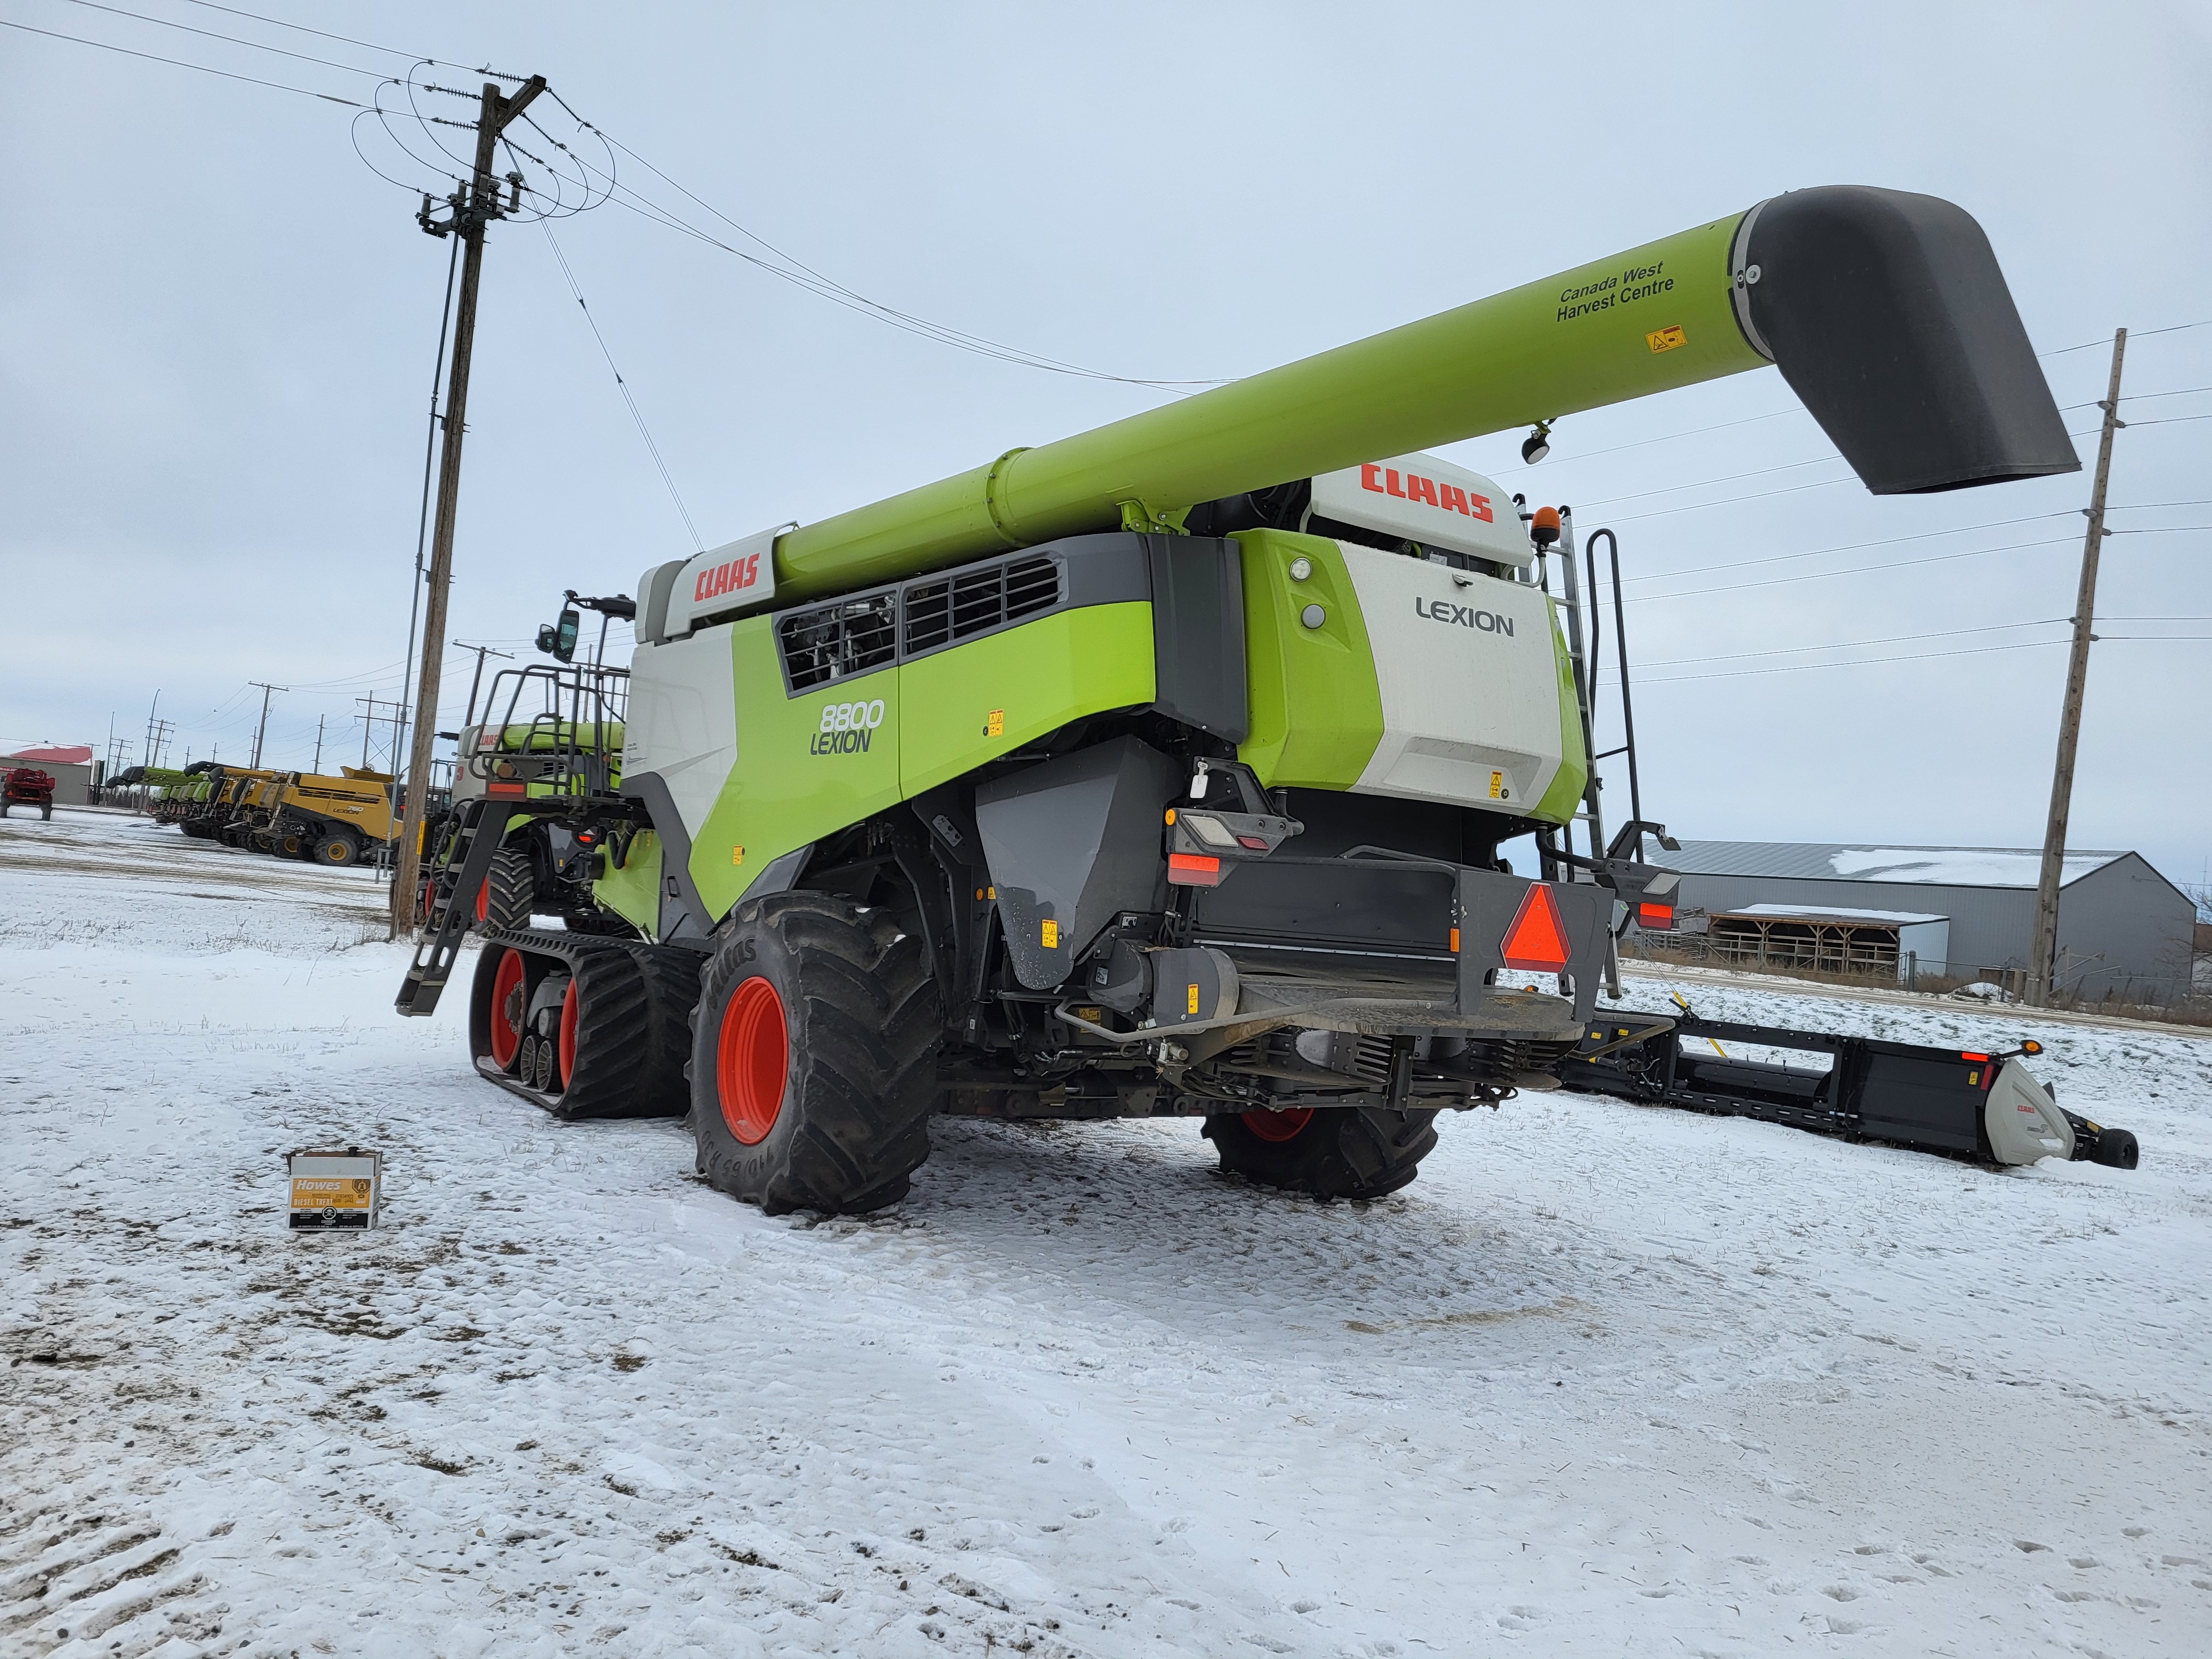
(1191, 870)
(1537, 940)
(1655, 915)
(503, 789)
(1963, 1055)
(1252, 842)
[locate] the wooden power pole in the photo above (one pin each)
(2043, 962)
(473, 210)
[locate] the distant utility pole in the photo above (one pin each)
(261, 730)
(368, 724)
(150, 712)
(2043, 962)
(318, 742)
(482, 651)
(472, 211)
(157, 739)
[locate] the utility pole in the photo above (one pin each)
(319, 742)
(469, 217)
(482, 652)
(261, 730)
(2043, 962)
(157, 736)
(369, 725)
(151, 758)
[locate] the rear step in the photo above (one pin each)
(1962, 1103)
(628, 1032)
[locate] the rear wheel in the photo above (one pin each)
(1333, 1151)
(814, 1058)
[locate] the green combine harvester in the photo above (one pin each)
(1169, 768)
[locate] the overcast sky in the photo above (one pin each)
(220, 326)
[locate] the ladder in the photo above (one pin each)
(455, 880)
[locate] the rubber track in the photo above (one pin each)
(1344, 1151)
(631, 1031)
(865, 1036)
(510, 888)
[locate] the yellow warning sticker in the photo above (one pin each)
(311, 1193)
(1051, 932)
(1664, 339)
(994, 723)
(1194, 999)
(1498, 785)
(737, 855)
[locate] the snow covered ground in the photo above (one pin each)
(1606, 1380)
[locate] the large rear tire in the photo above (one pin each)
(814, 1058)
(1334, 1152)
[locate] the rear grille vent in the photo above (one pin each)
(973, 602)
(835, 641)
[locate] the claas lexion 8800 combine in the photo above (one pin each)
(1165, 770)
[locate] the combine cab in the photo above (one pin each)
(1177, 768)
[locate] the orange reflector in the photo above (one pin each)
(1455, 941)
(1193, 870)
(1537, 940)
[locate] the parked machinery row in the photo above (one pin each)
(336, 821)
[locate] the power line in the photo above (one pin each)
(1850, 645)
(180, 62)
(1857, 662)
(653, 448)
(2171, 328)
(235, 39)
(1856, 570)
(419, 57)
(1848, 547)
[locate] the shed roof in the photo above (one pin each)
(1830, 913)
(1935, 866)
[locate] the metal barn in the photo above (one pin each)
(2123, 929)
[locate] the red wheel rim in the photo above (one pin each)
(752, 1059)
(1280, 1126)
(568, 1034)
(507, 991)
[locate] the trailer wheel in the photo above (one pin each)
(337, 848)
(509, 894)
(1334, 1152)
(814, 1058)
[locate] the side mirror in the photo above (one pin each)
(560, 641)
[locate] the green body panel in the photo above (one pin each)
(1650, 319)
(632, 892)
(1316, 711)
(785, 791)
(1036, 678)
(796, 784)
(1566, 794)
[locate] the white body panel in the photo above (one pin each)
(1428, 501)
(682, 718)
(1470, 687)
(741, 574)
(2024, 1122)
